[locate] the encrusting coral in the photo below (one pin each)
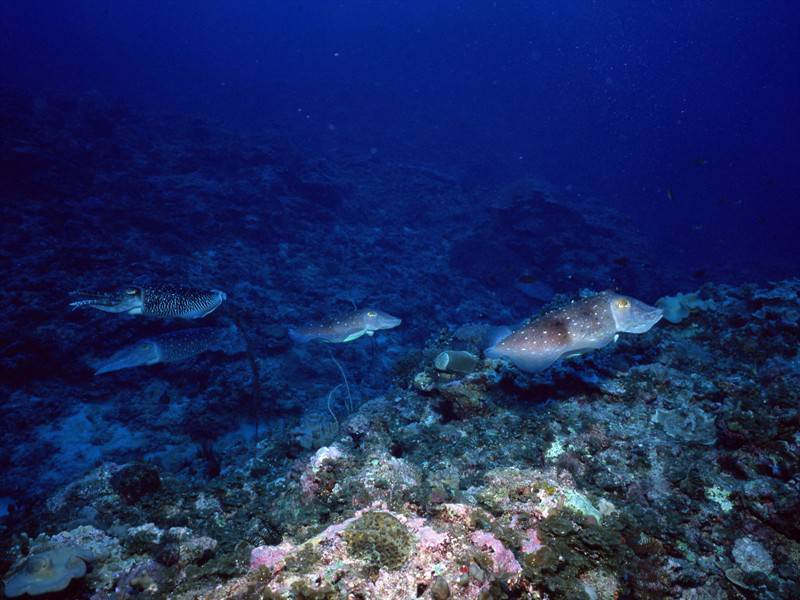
(49, 570)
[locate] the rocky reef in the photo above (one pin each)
(664, 467)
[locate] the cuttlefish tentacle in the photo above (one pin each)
(145, 352)
(79, 303)
(126, 299)
(166, 301)
(347, 328)
(579, 327)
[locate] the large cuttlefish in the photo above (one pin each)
(153, 301)
(346, 329)
(578, 327)
(173, 347)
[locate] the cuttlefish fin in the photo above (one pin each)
(577, 352)
(356, 334)
(532, 363)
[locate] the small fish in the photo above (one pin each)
(348, 328)
(173, 347)
(579, 327)
(153, 301)
(669, 195)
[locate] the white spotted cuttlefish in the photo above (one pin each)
(347, 328)
(576, 328)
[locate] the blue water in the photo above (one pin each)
(612, 99)
(447, 162)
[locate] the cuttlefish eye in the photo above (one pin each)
(372, 314)
(623, 303)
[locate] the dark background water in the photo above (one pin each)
(681, 114)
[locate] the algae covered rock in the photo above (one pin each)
(135, 481)
(751, 556)
(379, 539)
(690, 424)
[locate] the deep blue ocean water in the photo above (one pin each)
(633, 102)
(461, 166)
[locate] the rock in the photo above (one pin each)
(135, 481)
(100, 545)
(439, 588)
(424, 382)
(168, 555)
(143, 538)
(191, 548)
(197, 549)
(751, 556)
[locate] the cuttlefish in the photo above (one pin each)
(153, 301)
(576, 328)
(346, 329)
(173, 347)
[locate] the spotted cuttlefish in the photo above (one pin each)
(346, 329)
(173, 347)
(576, 328)
(153, 301)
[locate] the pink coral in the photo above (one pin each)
(271, 557)
(326, 458)
(429, 538)
(531, 543)
(503, 558)
(456, 513)
(309, 485)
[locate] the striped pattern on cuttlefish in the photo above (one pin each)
(573, 329)
(346, 329)
(165, 301)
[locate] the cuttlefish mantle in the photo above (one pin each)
(576, 328)
(347, 328)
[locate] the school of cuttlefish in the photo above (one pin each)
(578, 327)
